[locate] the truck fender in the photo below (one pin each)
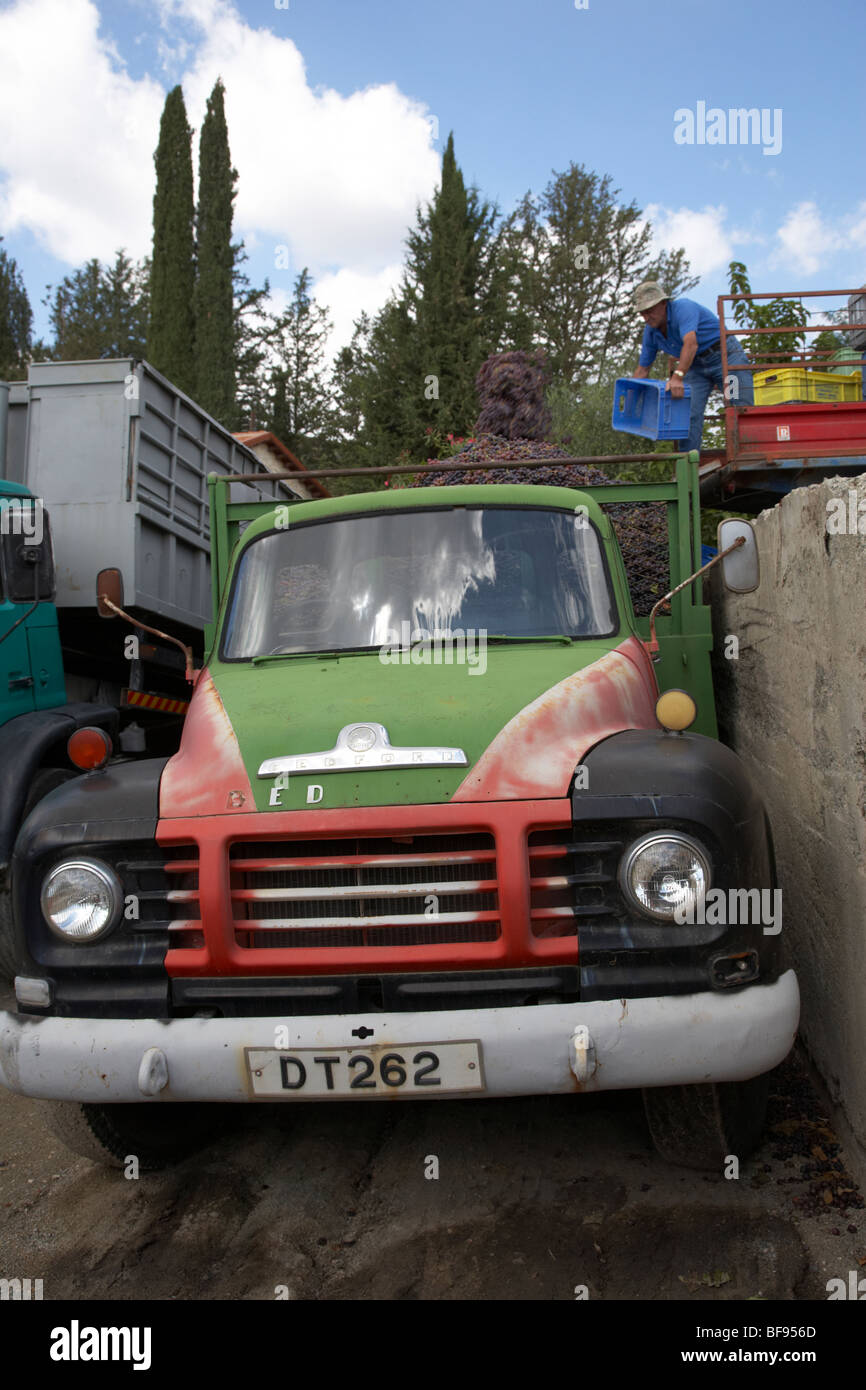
(649, 775)
(27, 743)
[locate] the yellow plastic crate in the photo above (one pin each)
(801, 384)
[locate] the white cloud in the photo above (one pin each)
(807, 241)
(857, 229)
(75, 133)
(804, 240)
(335, 177)
(701, 233)
(744, 236)
(348, 293)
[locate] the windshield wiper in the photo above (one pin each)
(287, 656)
(548, 637)
(354, 651)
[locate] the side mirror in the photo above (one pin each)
(741, 571)
(109, 584)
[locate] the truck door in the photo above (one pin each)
(16, 678)
(46, 657)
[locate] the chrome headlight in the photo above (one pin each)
(664, 872)
(81, 899)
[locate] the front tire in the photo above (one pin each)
(158, 1135)
(702, 1126)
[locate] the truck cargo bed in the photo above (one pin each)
(121, 460)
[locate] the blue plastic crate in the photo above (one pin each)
(644, 407)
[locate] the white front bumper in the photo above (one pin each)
(603, 1046)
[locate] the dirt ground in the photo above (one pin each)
(534, 1198)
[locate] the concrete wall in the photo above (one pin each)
(794, 706)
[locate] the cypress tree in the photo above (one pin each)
(215, 258)
(170, 340)
(449, 263)
(428, 342)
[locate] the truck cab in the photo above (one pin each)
(32, 660)
(429, 833)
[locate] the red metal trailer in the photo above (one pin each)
(771, 449)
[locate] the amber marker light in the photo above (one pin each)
(89, 748)
(676, 710)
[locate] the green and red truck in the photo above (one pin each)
(429, 833)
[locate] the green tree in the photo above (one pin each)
(16, 320)
(171, 334)
(558, 274)
(252, 331)
(573, 256)
(767, 313)
(828, 342)
(100, 311)
(351, 430)
(346, 381)
(450, 291)
(76, 314)
(300, 402)
(383, 385)
(126, 301)
(347, 386)
(409, 375)
(215, 263)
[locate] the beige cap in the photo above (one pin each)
(648, 294)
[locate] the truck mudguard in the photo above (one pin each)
(110, 816)
(24, 743)
(694, 785)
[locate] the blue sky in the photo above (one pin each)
(335, 106)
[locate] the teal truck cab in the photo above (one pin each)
(431, 832)
(32, 660)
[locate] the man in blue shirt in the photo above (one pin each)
(690, 333)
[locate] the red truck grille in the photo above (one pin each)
(304, 894)
(416, 890)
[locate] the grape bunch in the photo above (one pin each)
(511, 387)
(641, 528)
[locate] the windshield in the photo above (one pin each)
(366, 581)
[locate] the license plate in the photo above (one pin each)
(359, 1073)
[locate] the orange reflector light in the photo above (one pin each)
(89, 748)
(676, 710)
